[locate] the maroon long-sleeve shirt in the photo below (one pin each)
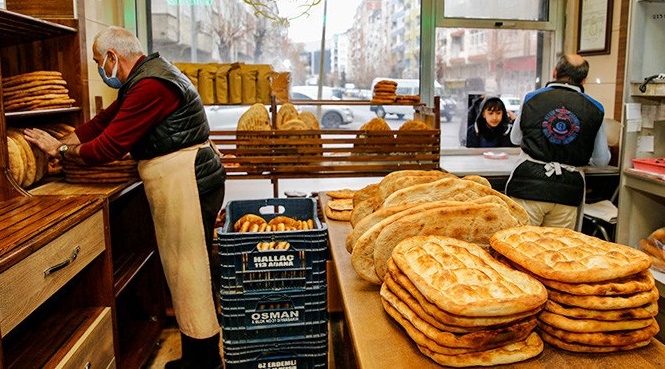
(111, 133)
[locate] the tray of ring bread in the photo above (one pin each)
(295, 144)
(471, 283)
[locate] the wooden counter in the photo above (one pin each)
(379, 342)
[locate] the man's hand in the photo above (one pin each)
(43, 140)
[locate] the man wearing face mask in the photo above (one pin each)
(160, 120)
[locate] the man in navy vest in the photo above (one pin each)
(560, 129)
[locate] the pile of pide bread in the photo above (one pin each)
(37, 90)
(471, 283)
(27, 163)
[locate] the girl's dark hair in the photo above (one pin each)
(494, 105)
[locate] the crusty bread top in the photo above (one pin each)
(452, 189)
(396, 180)
(463, 279)
(256, 118)
(565, 255)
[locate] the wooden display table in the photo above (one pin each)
(379, 342)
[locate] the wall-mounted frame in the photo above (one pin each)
(594, 27)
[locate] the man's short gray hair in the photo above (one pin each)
(118, 39)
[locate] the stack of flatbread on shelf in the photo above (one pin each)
(421, 203)
(602, 296)
(37, 90)
(116, 172)
(340, 205)
(407, 99)
(459, 305)
(384, 92)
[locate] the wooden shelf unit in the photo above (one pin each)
(111, 311)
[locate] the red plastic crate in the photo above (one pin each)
(654, 165)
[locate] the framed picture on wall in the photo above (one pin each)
(594, 27)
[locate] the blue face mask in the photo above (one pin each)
(112, 81)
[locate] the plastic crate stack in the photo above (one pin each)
(274, 302)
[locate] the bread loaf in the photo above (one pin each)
(464, 279)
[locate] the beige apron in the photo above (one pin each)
(170, 186)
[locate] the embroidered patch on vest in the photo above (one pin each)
(561, 126)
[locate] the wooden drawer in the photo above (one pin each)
(26, 285)
(95, 347)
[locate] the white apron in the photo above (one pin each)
(170, 186)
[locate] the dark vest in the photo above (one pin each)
(186, 126)
(559, 124)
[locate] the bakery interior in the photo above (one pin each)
(82, 284)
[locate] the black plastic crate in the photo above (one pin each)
(310, 353)
(244, 267)
(272, 316)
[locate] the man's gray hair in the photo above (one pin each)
(119, 39)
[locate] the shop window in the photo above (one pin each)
(492, 48)
(485, 48)
(531, 10)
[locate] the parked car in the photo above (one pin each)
(225, 117)
(332, 116)
(447, 108)
(512, 103)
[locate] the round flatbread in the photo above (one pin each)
(340, 204)
(364, 193)
(293, 125)
(342, 215)
(479, 340)
(592, 325)
(342, 194)
(363, 209)
(639, 282)
(375, 124)
(605, 302)
(286, 113)
(642, 312)
(514, 352)
(15, 160)
(310, 120)
(610, 339)
(414, 125)
(565, 255)
(576, 347)
(256, 118)
(29, 161)
(402, 287)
